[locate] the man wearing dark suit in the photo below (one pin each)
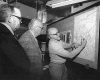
(29, 42)
(14, 62)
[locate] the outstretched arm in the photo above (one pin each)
(59, 50)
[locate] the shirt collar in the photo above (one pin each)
(8, 27)
(32, 33)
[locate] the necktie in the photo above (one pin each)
(15, 36)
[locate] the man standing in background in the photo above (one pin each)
(30, 44)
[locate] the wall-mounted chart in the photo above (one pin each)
(86, 25)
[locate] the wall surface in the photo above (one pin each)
(27, 12)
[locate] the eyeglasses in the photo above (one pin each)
(55, 33)
(41, 28)
(20, 18)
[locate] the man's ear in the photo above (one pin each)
(10, 19)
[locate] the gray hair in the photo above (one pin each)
(5, 10)
(33, 22)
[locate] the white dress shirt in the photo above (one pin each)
(55, 49)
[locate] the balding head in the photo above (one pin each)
(52, 31)
(35, 23)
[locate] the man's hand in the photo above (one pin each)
(76, 45)
(83, 42)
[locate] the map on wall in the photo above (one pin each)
(85, 26)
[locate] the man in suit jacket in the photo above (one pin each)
(14, 61)
(30, 44)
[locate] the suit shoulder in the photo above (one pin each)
(25, 36)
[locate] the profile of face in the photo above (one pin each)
(15, 19)
(53, 33)
(37, 27)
